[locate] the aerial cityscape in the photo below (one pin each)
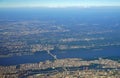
(59, 39)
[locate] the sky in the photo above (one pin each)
(57, 3)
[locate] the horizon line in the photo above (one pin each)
(59, 6)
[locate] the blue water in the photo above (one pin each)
(81, 53)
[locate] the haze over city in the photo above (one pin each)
(59, 38)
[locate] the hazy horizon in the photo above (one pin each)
(56, 3)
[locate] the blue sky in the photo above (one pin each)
(57, 3)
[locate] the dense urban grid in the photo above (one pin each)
(26, 38)
(59, 42)
(76, 68)
(18, 38)
(59, 38)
